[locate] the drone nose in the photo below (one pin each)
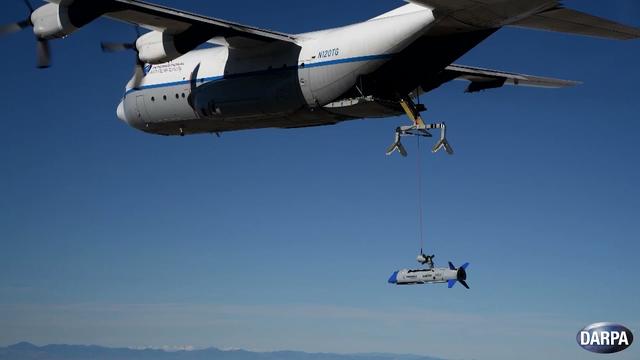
(121, 113)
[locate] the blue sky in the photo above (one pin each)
(284, 239)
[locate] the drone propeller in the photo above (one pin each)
(464, 283)
(461, 275)
(43, 52)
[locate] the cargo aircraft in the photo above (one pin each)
(250, 78)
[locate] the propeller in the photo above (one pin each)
(43, 53)
(112, 47)
(461, 275)
(20, 25)
(15, 27)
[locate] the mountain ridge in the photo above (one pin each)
(28, 351)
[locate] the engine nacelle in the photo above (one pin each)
(157, 47)
(52, 21)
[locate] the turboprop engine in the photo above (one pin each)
(57, 20)
(158, 47)
(53, 20)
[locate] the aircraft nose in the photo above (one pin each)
(121, 113)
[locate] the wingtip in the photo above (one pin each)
(574, 83)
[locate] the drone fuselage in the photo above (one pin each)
(423, 276)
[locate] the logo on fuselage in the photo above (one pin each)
(605, 338)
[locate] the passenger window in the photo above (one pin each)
(153, 98)
(164, 97)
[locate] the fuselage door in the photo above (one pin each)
(306, 60)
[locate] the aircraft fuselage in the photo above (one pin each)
(223, 88)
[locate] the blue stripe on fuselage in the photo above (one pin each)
(348, 60)
(260, 72)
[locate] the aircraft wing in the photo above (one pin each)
(469, 15)
(161, 18)
(483, 79)
(576, 22)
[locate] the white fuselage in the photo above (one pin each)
(223, 88)
(423, 276)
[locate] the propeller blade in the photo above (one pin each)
(462, 275)
(138, 74)
(43, 54)
(14, 27)
(139, 69)
(451, 267)
(464, 283)
(26, 2)
(110, 47)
